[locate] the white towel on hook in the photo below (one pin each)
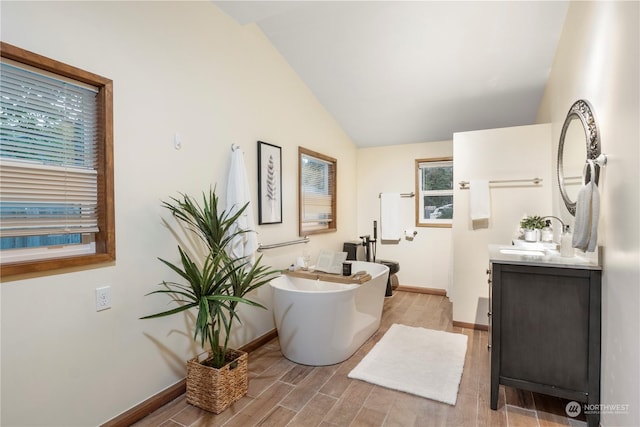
(390, 228)
(479, 199)
(238, 194)
(585, 233)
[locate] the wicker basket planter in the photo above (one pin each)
(214, 389)
(214, 282)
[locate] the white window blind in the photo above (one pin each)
(316, 193)
(48, 140)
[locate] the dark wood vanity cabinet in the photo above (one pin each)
(545, 332)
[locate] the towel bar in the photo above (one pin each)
(412, 194)
(464, 185)
(262, 247)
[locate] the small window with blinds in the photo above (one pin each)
(317, 202)
(434, 187)
(56, 177)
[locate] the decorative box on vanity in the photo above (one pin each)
(545, 322)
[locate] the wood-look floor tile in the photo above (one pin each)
(414, 313)
(339, 382)
(264, 357)
(392, 310)
(260, 406)
(278, 417)
(550, 410)
(215, 420)
(520, 398)
(430, 413)
(189, 415)
(465, 411)
(307, 388)
(282, 393)
(382, 398)
(399, 419)
(166, 412)
(314, 411)
(336, 384)
(368, 417)
(395, 419)
(404, 410)
(520, 417)
(487, 417)
(270, 376)
(170, 423)
(296, 374)
(347, 407)
(348, 365)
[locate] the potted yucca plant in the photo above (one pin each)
(213, 285)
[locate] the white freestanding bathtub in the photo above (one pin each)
(322, 323)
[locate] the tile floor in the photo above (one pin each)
(282, 393)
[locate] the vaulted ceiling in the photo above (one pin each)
(396, 72)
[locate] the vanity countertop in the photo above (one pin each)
(509, 254)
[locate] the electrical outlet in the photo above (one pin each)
(103, 298)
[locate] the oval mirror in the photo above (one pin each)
(579, 141)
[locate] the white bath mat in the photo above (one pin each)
(414, 360)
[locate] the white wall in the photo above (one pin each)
(177, 67)
(598, 60)
(521, 152)
(186, 67)
(425, 260)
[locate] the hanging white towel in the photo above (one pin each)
(585, 233)
(390, 216)
(238, 194)
(479, 199)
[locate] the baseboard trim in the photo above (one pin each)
(421, 290)
(466, 325)
(260, 341)
(160, 399)
(143, 409)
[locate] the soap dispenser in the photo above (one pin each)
(547, 233)
(566, 250)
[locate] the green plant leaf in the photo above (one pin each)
(170, 312)
(216, 284)
(532, 222)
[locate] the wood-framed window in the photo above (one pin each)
(317, 176)
(434, 190)
(56, 165)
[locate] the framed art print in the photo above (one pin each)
(269, 183)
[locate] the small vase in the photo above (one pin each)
(531, 235)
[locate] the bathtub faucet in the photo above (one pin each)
(370, 244)
(366, 242)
